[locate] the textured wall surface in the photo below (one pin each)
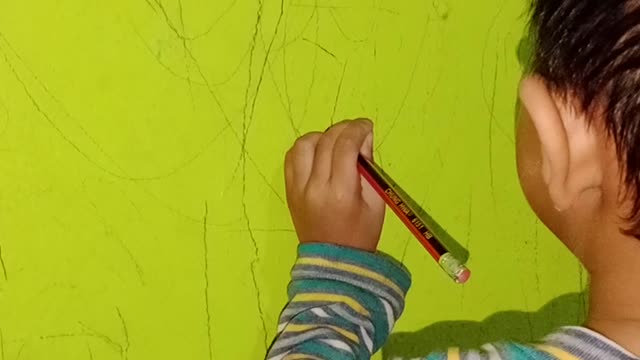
(142, 210)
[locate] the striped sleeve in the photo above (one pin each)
(343, 304)
(498, 351)
(559, 346)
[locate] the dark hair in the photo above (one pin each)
(589, 51)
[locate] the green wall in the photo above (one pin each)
(142, 210)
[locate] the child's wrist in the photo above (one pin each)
(377, 261)
(372, 249)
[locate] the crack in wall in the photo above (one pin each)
(206, 277)
(3, 266)
(125, 330)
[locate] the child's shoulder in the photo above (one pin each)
(499, 351)
(568, 343)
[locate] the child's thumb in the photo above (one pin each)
(367, 146)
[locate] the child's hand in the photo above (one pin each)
(328, 200)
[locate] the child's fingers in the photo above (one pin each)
(344, 172)
(367, 147)
(369, 195)
(321, 171)
(299, 162)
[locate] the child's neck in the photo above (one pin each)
(615, 296)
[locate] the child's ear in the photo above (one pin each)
(570, 161)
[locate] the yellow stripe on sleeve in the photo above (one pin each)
(301, 328)
(352, 269)
(453, 354)
(300, 357)
(325, 297)
(557, 352)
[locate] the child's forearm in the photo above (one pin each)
(343, 304)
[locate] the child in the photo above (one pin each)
(578, 154)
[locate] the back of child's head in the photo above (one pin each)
(588, 53)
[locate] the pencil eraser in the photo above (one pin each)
(464, 276)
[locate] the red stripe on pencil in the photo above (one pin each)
(411, 219)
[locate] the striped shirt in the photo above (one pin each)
(343, 304)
